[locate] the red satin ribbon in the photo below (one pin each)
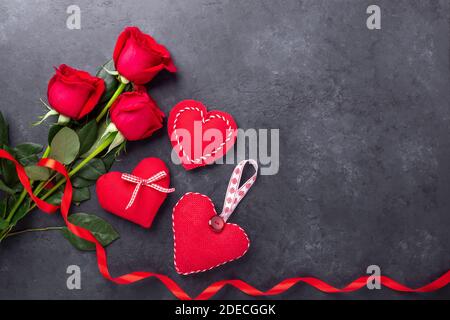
(171, 285)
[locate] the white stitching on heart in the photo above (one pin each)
(175, 243)
(213, 116)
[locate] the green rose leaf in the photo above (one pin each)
(108, 160)
(81, 194)
(54, 129)
(92, 170)
(100, 131)
(79, 182)
(27, 153)
(65, 146)
(111, 83)
(25, 149)
(21, 212)
(3, 207)
(87, 136)
(37, 173)
(55, 198)
(10, 190)
(8, 169)
(4, 136)
(101, 230)
(3, 224)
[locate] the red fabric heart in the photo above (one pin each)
(197, 247)
(200, 137)
(114, 193)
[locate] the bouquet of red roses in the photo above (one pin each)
(96, 115)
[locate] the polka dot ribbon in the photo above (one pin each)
(145, 182)
(235, 194)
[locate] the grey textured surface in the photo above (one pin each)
(364, 138)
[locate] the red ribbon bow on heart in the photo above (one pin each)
(145, 182)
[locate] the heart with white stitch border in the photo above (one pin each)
(197, 247)
(200, 137)
(202, 239)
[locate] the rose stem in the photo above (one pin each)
(24, 192)
(116, 94)
(33, 230)
(99, 149)
(41, 185)
(4, 233)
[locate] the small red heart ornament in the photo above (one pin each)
(202, 239)
(197, 247)
(200, 137)
(120, 194)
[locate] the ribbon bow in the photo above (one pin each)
(145, 182)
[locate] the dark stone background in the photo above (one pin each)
(364, 138)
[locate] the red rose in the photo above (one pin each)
(136, 115)
(74, 93)
(138, 57)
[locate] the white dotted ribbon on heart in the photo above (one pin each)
(145, 182)
(235, 194)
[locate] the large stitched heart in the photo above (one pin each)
(197, 247)
(200, 137)
(114, 193)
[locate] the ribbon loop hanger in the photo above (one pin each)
(234, 194)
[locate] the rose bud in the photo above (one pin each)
(138, 57)
(136, 115)
(74, 93)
